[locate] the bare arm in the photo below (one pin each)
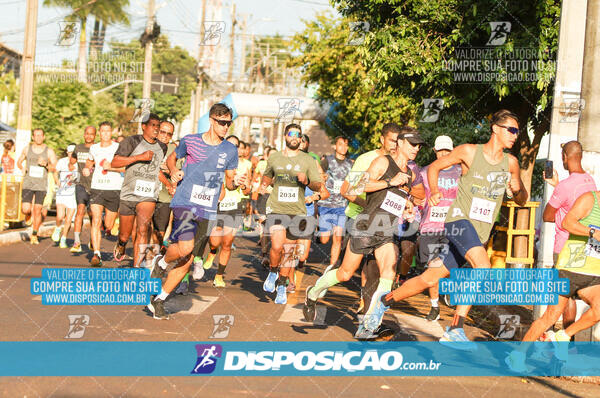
(124, 161)
(462, 154)
(549, 213)
(520, 194)
(51, 161)
(22, 158)
(376, 170)
(229, 179)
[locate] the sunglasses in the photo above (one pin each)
(223, 122)
(512, 130)
(294, 133)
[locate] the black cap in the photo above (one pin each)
(413, 137)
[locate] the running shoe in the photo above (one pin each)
(156, 270)
(183, 288)
(434, 314)
(269, 285)
(291, 288)
(118, 252)
(324, 291)
(309, 309)
(63, 243)
(457, 339)
(209, 260)
(281, 295)
(516, 361)
(56, 235)
(218, 281)
(34, 240)
(157, 307)
(198, 272)
(76, 248)
(96, 261)
(560, 340)
(374, 316)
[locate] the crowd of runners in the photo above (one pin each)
(182, 203)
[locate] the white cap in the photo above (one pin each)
(443, 142)
(70, 148)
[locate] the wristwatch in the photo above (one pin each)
(592, 231)
(387, 180)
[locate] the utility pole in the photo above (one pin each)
(231, 45)
(266, 76)
(148, 55)
(200, 71)
(26, 76)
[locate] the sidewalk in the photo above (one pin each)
(11, 236)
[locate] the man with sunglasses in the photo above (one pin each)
(290, 171)
(487, 172)
(162, 213)
(387, 201)
(209, 160)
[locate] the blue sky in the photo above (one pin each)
(178, 19)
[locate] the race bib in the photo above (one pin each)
(36, 172)
(228, 204)
(202, 195)
(438, 213)
(288, 194)
(482, 210)
(103, 183)
(337, 186)
(144, 188)
(393, 204)
(592, 247)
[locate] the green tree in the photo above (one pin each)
(107, 11)
(63, 110)
(127, 59)
(404, 57)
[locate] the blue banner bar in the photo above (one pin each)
(297, 359)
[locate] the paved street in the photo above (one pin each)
(256, 318)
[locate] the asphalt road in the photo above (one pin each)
(256, 318)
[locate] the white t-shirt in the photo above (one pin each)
(66, 178)
(104, 180)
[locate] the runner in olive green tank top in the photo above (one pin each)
(480, 194)
(488, 171)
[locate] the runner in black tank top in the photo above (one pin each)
(387, 194)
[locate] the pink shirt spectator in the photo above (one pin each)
(565, 194)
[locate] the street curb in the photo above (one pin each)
(23, 234)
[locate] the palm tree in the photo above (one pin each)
(107, 11)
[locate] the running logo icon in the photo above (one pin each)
(431, 110)
(287, 109)
(77, 324)
(500, 31)
(508, 326)
(222, 325)
(207, 358)
(358, 31)
(212, 33)
(142, 109)
(68, 33)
